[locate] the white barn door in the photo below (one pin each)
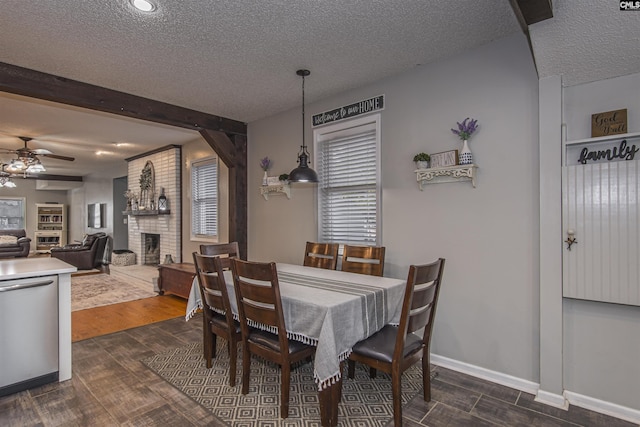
(600, 204)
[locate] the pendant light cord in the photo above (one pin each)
(304, 146)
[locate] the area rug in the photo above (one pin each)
(365, 401)
(96, 290)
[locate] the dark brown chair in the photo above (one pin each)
(321, 255)
(225, 250)
(86, 255)
(363, 259)
(394, 349)
(218, 317)
(260, 303)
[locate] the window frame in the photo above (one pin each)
(194, 165)
(343, 129)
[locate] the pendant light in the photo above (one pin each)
(303, 173)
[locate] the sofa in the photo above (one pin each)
(14, 243)
(85, 255)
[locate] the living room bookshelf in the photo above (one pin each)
(52, 227)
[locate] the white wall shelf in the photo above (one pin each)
(446, 174)
(267, 190)
(51, 228)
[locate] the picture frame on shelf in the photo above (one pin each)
(444, 159)
(273, 180)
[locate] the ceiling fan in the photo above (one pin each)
(27, 159)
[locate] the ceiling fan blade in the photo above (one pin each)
(40, 151)
(55, 156)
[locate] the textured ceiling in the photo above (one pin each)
(237, 59)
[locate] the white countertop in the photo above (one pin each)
(19, 268)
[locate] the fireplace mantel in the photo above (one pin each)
(145, 212)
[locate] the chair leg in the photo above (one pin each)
(372, 372)
(396, 393)
(426, 379)
(233, 356)
(209, 347)
(284, 392)
(246, 367)
(351, 371)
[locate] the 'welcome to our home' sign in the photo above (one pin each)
(348, 111)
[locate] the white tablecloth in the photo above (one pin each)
(330, 309)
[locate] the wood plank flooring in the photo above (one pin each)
(107, 319)
(111, 387)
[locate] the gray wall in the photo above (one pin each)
(27, 188)
(488, 317)
(488, 313)
(120, 226)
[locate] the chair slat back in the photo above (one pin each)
(363, 259)
(213, 289)
(224, 250)
(321, 255)
(258, 293)
(419, 304)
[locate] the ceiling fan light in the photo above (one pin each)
(16, 166)
(10, 183)
(36, 168)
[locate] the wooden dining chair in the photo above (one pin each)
(258, 295)
(224, 250)
(216, 307)
(363, 259)
(321, 255)
(394, 349)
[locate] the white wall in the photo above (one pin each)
(602, 341)
(488, 312)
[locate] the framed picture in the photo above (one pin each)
(273, 180)
(446, 158)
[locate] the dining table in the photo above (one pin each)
(331, 310)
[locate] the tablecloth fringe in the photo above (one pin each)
(335, 377)
(193, 311)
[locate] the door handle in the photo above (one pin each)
(571, 238)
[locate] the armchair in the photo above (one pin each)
(14, 243)
(85, 255)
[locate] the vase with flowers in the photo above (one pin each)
(265, 165)
(464, 132)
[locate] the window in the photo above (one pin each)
(204, 199)
(12, 213)
(349, 188)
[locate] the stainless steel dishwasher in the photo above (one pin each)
(28, 333)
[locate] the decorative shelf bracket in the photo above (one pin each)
(446, 174)
(285, 189)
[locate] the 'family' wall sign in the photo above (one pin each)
(348, 111)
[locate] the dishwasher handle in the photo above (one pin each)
(24, 286)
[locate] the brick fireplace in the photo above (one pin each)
(166, 165)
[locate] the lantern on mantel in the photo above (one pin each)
(162, 201)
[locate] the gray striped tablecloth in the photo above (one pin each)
(330, 309)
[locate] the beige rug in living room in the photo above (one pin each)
(97, 290)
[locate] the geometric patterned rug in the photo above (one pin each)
(365, 401)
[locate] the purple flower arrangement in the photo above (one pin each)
(265, 164)
(466, 128)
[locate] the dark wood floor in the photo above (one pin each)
(111, 387)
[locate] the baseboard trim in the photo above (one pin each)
(552, 399)
(603, 407)
(547, 398)
(486, 374)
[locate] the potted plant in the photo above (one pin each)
(422, 160)
(284, 178)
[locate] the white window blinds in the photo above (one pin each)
(204, 198)
(348, 188)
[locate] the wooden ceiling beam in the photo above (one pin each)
(35, 84)
(531, 11)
